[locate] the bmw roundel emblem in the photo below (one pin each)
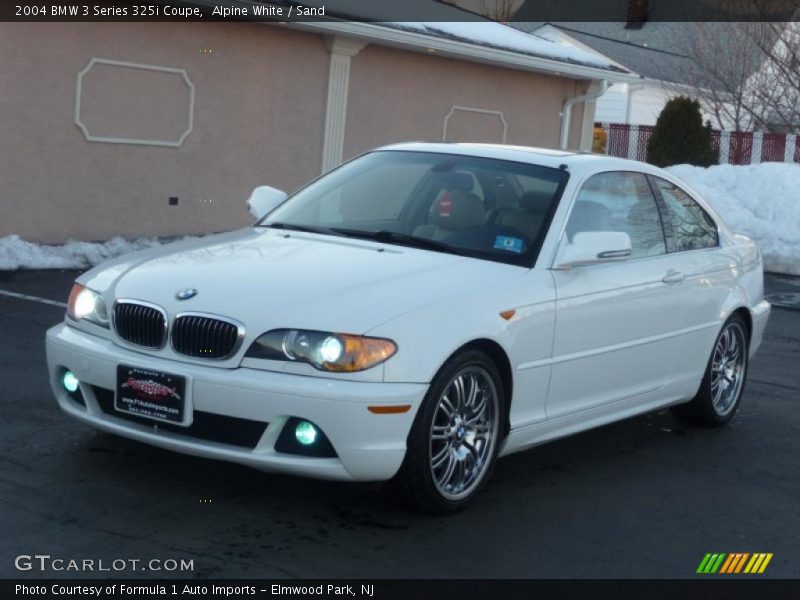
(186, 294)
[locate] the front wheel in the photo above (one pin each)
(455, 437)
(723, 383)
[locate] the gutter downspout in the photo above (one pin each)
(566, 113)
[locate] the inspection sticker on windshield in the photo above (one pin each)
(505, 242)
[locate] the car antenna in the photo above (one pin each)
(563, 166)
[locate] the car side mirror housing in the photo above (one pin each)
(593, 247)
(264, 199)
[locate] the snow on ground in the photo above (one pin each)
(762, 201)
(16, 253)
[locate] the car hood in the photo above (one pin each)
(268, 279)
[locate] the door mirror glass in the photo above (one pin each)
(263, 199)
(592, 247)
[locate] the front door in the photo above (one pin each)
(617, 323)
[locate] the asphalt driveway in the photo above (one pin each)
(647, 497)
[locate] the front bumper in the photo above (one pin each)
(369, 447)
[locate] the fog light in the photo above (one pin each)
(70, 382)
(305, 433)
(304, 438)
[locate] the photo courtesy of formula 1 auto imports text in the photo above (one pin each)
(369, 299)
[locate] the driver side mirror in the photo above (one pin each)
(593, 247)
(264, 199)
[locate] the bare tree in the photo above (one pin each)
(745, 74)
(779, 76)
(721, 71)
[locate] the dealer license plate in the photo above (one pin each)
(150, 394)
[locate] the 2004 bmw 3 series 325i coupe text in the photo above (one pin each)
(418, 312)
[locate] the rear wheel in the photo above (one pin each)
(723, 383)
(455, 438)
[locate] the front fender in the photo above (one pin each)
(428, 336)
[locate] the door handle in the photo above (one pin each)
(673, 276)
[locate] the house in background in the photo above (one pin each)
(700, 59)
(164, 129)
(750, 102)
(660, 52)
(650, 51)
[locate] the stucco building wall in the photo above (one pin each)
(260, 96)
(401, 96)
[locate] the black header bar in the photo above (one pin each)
(394, 10)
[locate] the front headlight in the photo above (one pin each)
(337, 352)
(87, 304)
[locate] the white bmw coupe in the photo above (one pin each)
(418, 312)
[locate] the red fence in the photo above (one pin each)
(732, 147)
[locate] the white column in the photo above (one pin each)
(341, 51)
(788, 151)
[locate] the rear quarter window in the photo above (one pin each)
(686, 225)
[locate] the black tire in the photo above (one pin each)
(416, 479)
(702, 409)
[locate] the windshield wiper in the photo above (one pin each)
(403, 239)
(383, 235)
(303, 228)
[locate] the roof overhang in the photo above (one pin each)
(421, 42)
(381, 34)
(550, 29)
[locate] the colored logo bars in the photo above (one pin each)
(737, 562)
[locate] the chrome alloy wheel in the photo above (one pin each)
(728, 365)
(464, 432)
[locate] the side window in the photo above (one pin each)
(620, 201)
(687, 225)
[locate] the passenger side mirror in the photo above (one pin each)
(263, 199)
(592, 247)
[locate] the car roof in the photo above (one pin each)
(546, 157)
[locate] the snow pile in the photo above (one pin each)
(762, 201)
(497, 35)
(16, 253)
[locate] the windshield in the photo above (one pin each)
(485, 208)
